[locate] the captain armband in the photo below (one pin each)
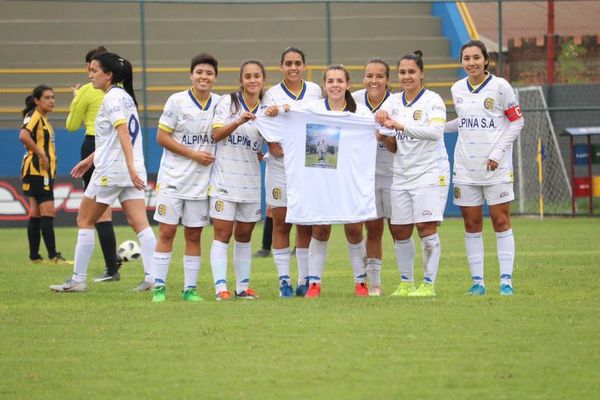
(513, 113)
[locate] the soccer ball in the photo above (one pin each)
(129, 250)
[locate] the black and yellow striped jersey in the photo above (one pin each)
(43, 135)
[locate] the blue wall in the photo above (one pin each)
(453, 28)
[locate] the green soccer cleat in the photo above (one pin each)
(191, 295)
(159, 294)
(404, 289)
(476, 290)
(425, 290)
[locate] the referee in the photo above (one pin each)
(83, 109)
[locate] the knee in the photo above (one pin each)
(474, 224)
(282, 229)
(192, 235)
(427, 228)
(501, 222)
(321, 233)
(166, 234)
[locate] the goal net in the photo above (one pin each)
(542, 184)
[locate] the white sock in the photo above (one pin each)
(191, 270)
(474, 246)
(218, 264)
(505, 241)
(86, 241)
(147, 244)
(242, 255)
(161, 267)
(302, 260)
(431, 249)
(357, 254)
(405, 258)
(374, 271)
(282, 262)
(317, 250)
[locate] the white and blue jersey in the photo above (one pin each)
(236, 173)
(190, 123)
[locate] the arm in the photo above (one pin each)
(82, 166)
(77, 110)
(165, 139)
(451, 126)
(434, 132)
(504, 142)
(125, 141)
(220, 133)
(25, 137)
(388, 141)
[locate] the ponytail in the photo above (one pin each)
(121, 69)
(37, 93)
(350, 103)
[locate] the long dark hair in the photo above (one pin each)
(477, 43)
(235, 102)
(90, 54)
(350, 103)
(122, 72)
(37, 93)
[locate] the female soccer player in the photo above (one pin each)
(292, 89)
(120, 172)
(376, 92)
(338, 98)
(84, 108)
(236, 180)
(489, 120)
(184, 130)
(421, 172)
(37, 173)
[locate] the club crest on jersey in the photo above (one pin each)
(276, 193)
(417, 115)
(219, 205)
(457, 193)
(161, 209)
(488, 103)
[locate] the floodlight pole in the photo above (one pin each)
(550, 44)
(500, 58)
(144, 81)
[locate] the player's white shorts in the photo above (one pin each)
(475, 195)
(383, 202)
(108, 194)
(423, 204)
(275, 186)
(233, 211)
(193, 213)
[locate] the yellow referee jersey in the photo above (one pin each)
(84, 108)
(43, 135)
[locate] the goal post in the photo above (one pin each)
(542, 183)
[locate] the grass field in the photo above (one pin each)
(543, 343)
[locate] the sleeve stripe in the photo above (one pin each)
(442, 120)
(118, 122)
(217, 125)
(166, 128)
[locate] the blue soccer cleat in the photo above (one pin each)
(506, 290)
(301, 289)
(476, 290)
(285, 290)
